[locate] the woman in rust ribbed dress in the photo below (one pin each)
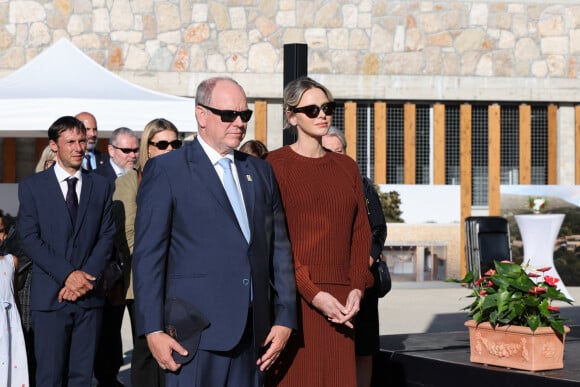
(330, 236)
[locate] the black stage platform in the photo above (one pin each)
(441, 359)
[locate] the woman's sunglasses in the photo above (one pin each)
(312, 111)
(229, 115)
(162, 145)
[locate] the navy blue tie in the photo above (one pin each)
(235, 197)
(72, 200)
(89, 165)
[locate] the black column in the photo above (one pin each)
(295, 66)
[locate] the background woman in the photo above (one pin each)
(254, 148)
(366, 335)
(46, 159)
(330, 236)
(159, 136)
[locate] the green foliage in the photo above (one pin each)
(508, 296)
(390, 203)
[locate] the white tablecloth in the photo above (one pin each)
(539, 233)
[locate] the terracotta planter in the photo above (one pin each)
(516, 347)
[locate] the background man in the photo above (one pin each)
(67, 230)
(190, 245)
(123, 155)
(93, 157)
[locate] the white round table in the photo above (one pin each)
(539, 233)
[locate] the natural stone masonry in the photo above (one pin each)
(528, 39)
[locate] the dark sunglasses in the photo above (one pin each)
(2, 230)
(162, 145)
(126, 150)
(229, 115)
(312, 111)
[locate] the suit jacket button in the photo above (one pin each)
(246, 281)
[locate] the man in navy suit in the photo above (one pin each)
(67, 230)
(123, 154)
(236, 271)
(93, 157)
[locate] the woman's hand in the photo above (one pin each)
(337, 313)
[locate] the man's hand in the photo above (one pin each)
(161, 346)
(276, 340)
(77, 284)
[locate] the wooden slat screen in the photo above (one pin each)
(9, 160)
(410, 138)
(465, 161)
(525, 145)
(494, 159)
(439, 167)
(350, 128)
(552, 144)
(261, 121)
(577, 142)
(380, 143)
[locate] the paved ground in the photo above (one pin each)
(410, 307)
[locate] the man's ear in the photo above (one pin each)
(53, 146)
(201, 116)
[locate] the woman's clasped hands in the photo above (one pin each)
(337, 313)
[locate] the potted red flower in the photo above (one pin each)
(516, 304)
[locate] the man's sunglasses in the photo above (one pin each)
(229, 115)
(126, 150)
(312, 111)
(162, 145)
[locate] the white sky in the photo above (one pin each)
(427, 203)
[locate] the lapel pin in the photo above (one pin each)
(249, 177)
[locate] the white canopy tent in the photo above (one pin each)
(62, 80)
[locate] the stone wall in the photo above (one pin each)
(447, 234)
(360, 49)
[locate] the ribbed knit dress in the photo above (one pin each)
(330, 236)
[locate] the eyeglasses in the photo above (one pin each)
(126, 150)
(312, 111)
(162, 145)
(229, 115)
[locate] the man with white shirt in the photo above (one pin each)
(66, 228)
(123, 155)
(93, 157)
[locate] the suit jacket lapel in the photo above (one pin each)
(85, 200)
(202, 170)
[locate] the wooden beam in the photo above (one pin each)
(466, 172)
(438, 143)
(494, 159)
(525, 145)
(350, 128)
(577, 142)
(410, 139)
(9, 160)
(261, 121)
(380, 143)
(552, 144)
